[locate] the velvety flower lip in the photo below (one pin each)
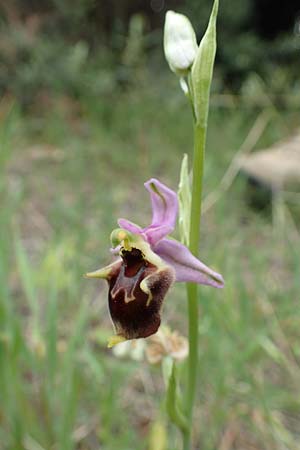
(138, 282)
(164, 213)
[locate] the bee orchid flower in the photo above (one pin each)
(148, 263)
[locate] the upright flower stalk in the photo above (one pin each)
(192, 288)
(196, 86)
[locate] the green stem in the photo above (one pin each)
(198, 166)
(192, 289)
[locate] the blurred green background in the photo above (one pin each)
(89, 111)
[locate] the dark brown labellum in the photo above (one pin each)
(135, 313)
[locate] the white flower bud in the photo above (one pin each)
(180, 44)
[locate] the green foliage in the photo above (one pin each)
(31, 65)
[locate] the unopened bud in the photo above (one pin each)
(180, 44)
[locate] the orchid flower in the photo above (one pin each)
(147, 264)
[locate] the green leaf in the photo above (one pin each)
(184, 196)
(172, 402)
(202, 69)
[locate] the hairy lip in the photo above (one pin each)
(134, 312)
